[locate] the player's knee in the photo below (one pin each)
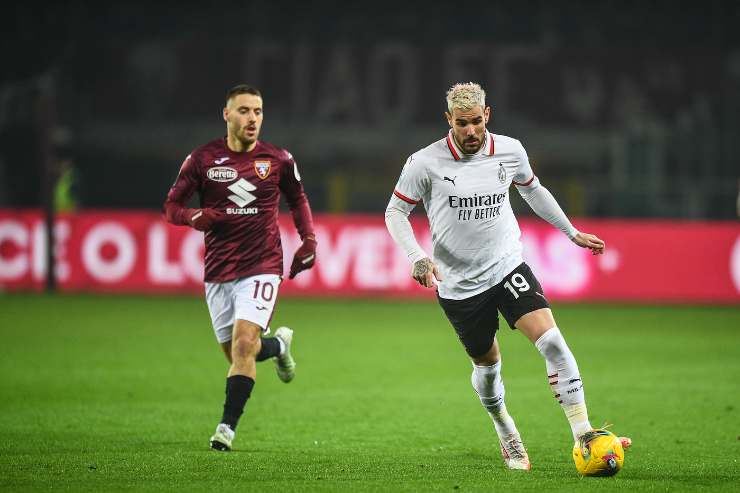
(486, 360)
(245, 344)
(491, 357)
(551, 344)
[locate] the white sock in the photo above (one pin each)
(489, 386)
(578, 418)
(564, 379)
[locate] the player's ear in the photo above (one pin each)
(487, 113)
(226, 113)
(449, 118)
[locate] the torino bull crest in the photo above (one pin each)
(262, 168)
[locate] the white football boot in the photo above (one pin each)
(514, 453)
(222, 438)
(285, 364)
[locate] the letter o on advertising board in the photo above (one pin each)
(109, 270)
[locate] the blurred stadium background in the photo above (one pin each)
(630, 112)
(627, 112)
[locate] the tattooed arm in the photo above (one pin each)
(397, 221)
(425, 272)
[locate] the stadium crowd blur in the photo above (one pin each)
(628, 109)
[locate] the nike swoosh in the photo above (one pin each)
(540, 294)
(222, 160)
(261, 308)
(308, 259)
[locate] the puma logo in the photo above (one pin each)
(451, 180)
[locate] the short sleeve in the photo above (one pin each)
(524, 175)
(413, 182)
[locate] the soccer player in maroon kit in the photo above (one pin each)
(239, 180)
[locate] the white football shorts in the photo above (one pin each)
(248, 298)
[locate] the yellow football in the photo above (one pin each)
(598, 453)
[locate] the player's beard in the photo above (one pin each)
(244, 139)
(475, 140)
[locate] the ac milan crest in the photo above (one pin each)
(501, 173)
(262, 168)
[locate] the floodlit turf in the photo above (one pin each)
(122, 393)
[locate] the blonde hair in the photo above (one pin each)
(465, 96)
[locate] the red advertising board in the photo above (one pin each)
(135, 251)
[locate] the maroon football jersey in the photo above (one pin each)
(245, 186)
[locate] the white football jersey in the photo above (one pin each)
(474, 232)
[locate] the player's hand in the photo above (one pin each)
(205, 219)
(304, 257)
(425, 272)
(592, 242)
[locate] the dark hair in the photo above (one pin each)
(242, 89)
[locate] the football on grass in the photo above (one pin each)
(598, 453)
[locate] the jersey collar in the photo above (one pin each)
(239, 154)
(486, 149)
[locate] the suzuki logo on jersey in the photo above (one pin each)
(242, 197)
(221, 173)
(262, 168)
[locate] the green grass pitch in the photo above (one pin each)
(103, 393)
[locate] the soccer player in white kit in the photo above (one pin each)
(463, 181)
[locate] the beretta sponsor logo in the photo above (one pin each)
(222, 173)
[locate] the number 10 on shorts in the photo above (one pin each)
(265, 290)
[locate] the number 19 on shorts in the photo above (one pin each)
(516, 284)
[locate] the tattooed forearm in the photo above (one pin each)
(422, 268)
